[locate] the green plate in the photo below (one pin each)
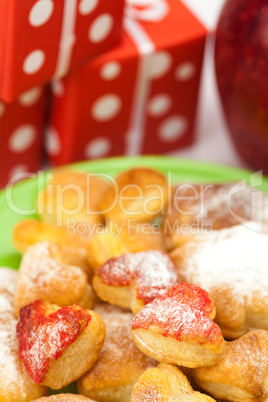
(22, 196)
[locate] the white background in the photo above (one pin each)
(212, 139)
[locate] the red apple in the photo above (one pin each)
(241, 60)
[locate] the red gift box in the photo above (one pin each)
(139, 97)
(45, 39)
(21, 126)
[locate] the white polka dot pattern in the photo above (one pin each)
(185, 71)
(57, 87)
(2, 109)
(106, 107)
(29, 98)
(110, 70)
(34, 62)
(53, 145)
(160, 64)
(159, 105)
(22, 138)
(97, 148)
(172, 128)
(87, 6)
(41, 12)
(101, 28)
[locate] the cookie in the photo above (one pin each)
(178, 328)
(58, 345)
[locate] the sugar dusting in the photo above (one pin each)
(14, 382)
(221, 205)
(43, 339)
(8, 280)
(153, 271)
(236, 258)
(182, 313)
(11, 380)
(119, 350)
(148, 393)
(43, 264)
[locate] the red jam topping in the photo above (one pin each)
(182, 313)
(43, 339)
(153, 271)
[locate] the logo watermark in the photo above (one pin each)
(191, 204)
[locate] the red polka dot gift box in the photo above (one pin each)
(45, 39)
(21, 125)
(140, 96)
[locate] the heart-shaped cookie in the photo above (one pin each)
(49, 337)
(120, 362)
(43, 274)
(166, 383)
(241, 373)
(178, 328)
(15, 384)
(133, 280)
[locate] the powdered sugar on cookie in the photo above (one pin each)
(42, 339)
(15, 383)
(183, 314)
(119, 347)
(8, 280)
(236, 258)
(43, 266)
(153, 271)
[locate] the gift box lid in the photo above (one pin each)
(42, 39)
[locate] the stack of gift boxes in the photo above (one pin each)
(94, 78)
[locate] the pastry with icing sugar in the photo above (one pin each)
(166, 383)
(133, 280)
(178, 328)
(58, 345)
(43, 274)
(139, 194)
(120, 362)
(15, 384)
(8, 283)
(117, 240)
(241, 373)
(231, 264)
(65, 398)
(74, 245)
(210, 207)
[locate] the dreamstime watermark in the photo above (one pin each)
(134, 200)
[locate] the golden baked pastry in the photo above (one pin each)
(138, 193)
(71, 198)
(231, 264)
(65, 398)
(203, 208)
(241, 373)
(178, 328)
(15, 384)
(133, 280)
(31, 231)
(166, 383)
(120, 362)
(8, 283)
(43, 274)
(117, 240)
(58, 345)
